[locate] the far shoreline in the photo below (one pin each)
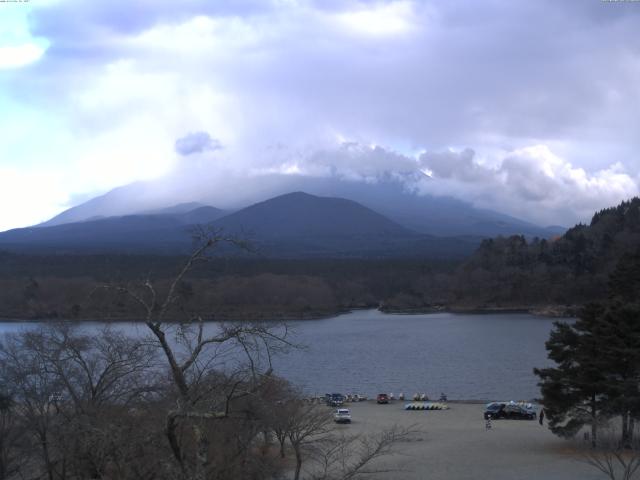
(550, 311)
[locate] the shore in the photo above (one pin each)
(454, 444)
(553, 311)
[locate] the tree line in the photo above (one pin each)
(571, 269)
(50, 287)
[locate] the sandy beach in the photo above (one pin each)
(454, 444)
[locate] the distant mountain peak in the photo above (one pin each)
(389, 196)
(295, 224)
(300, 213)
(175, 209)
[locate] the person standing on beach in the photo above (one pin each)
(541, 418)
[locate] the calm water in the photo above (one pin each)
(466, 356)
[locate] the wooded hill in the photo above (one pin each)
(571, 269)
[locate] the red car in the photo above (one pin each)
(382, 398)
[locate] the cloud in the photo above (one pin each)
(445, 74)
(354, 161)
(43, 198)
(196, 142)
(531, 182)
(450, 164)
(20, 55)
(380, 19)
(398, 77)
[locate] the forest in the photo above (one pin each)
(553, 276)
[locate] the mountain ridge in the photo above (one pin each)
(292, 225)
(440, 216)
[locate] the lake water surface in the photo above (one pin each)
(486, 357)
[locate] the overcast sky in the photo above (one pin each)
(528, 107)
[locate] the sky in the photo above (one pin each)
(530, 108)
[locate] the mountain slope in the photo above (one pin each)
(303, 225)
(300, 215)
(389, 196)
(200, 215)
(292, 225)
(123, 234)
(432, 215)
(174, 209)
(160, 230)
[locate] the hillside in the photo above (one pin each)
(391, 196)
(299, 214)
(125, 234)
(572, 269)
(162, 231)
(295, 225)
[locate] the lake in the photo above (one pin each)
(467, 356)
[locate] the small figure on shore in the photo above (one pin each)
(391, 397)
(487, 424)
(443, 397)
(416, 397)
(401, 396)
(541, 418)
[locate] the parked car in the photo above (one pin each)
(497, 410)
(342, 415)
(334, 399)
(382, 398)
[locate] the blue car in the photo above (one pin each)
(498, 410)
(334, 399)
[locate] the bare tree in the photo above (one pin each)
(615, 459)
(307, 425)
(75, 397)
(357, 456)
(94, 370)
(35, 391)
(11, 438)
(191, 353)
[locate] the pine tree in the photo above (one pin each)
(575, 392)
(597, 376)
(624, 282)
(619, 333)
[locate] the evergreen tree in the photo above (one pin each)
(624, 282)
(619, 333)
(5, 402)
(575, 392)
(597, 376)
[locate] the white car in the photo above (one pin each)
(342, 415)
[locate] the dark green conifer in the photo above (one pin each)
(574, 392)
